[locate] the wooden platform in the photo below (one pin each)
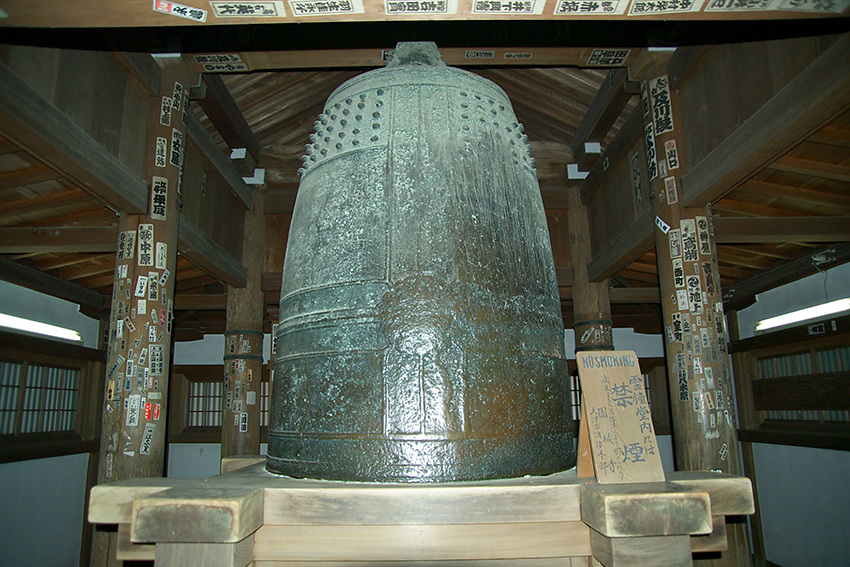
(251, 517)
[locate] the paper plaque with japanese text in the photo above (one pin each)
(622, 438)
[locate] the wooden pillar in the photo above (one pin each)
(698, 370)
(243, 344)
(591, 306)
(139, 350)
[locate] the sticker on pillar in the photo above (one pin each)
(157, 356)
(649, 139)
(246, 346)
(650, 7)
(690, 252)
(175, 157)
(146, 244)
(161, 258)
(159, 198)
(607, 57)
(704, 338)
(325, 7)
(739, 6)
(663, 226)
(179, 10)
(274, 338)
(697, 399)
(129, 324)
(695, 295)
(165, 111)
(483, 54)
(682, 300)
(697, 365)
(659, 96)
(162, 316)
(152, 329)
(683, 385)
(670, 190)
(712, 421)
(142, 307)
(155, 412)
(243, 422)
(583, 8)
(718, 399)
(662, 169)
(161, 155)
(417, 7)
(133, 408)
(709, 377)
(702, 235)
(644, 98)
(724, 451)
(228, 399)
(696, 347)
(119, 328)
(110, 390)
(676, 324)
(245, 10)
(148, 410)
(169, 316)
(143, 356)
(678, 272)
(675, 236)
(672, 154)
(153, 286)
(141, 286)
(155, 395)
(634, 166)
(119, 362)
(147, 439)
(251, 398)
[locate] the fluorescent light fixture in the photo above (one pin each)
(38, 328)
(821, 310)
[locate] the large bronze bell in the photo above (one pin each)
(420, 334)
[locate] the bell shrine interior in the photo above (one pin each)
(660, 131)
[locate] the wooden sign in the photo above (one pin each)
(622, 438)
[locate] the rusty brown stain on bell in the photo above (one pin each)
(420, 334)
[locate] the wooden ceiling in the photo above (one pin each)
(809, 180)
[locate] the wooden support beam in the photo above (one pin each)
(635, 295)
(831, 136)
(144, 68)
(21, 177)
(830, 391)
(743, 293)
(39, 127)
(221, 109)
(736, 230)
(812, 168)
(195, 245)
(58, 239)
(33, 279)
(631, 129)
(614, 94)
(211, 151)
(812, 99)
(629, 245)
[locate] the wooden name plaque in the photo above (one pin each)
(622, 438)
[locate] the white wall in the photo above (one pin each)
(42, 516)
(830, 285)
(28, 304)
(804, 493)
(43, 499)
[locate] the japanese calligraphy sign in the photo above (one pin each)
(165, 113)
(651, 164)
(248, 9)
(702, 236)
(507, 6)
(590, 7)
(161, 158)
(608, 57)
(689, 241)
(672, 154)
(399, 7)
(176, 156)
(159, 197)
(634, 167)
(670, 190)
(644, 7)
(662, 113)
(157, 359)
(325, 7)
(145, 241)
(622, 438)
(180, 10)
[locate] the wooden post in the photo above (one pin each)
(591, 305)
(243, 344)
(139, 350)
(699, 377)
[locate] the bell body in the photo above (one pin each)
(420, 334)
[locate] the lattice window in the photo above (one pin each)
(205, 404)
(37, 399)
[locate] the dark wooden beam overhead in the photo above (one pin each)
(813, 98)
(631, 129)
(626, 247)
(64, 239)
(21, 177)
(144, 68)
(51, 136)
(196, 246)
(221, 109)
(25, 276)
(222, 163)
(812, 168)
(613, 96)
(733, 230)
(743, 293)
